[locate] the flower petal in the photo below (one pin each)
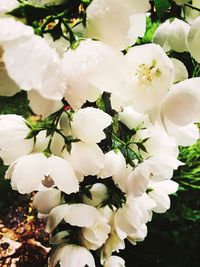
(182, 104)
(83, 121)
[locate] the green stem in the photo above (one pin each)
(54, 129)
(126, 145)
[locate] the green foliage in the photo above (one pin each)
(17, 104)
(161, 6)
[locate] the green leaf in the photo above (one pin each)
(161, 6)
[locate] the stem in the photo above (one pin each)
(126, 146)
(54, 126)
(193, 7)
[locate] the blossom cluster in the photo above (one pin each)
(113, 117)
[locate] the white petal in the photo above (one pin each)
(95, 236)
(131, 118)
(99, 193)
(83, 124)
(75, 214)
(12, 29)
(162, 166)
(112, 22)
(27, 173)
(180, 71)
(41, 68)
(13, 131)
(138, 180)
(86, 159)
(172, 35)
(159, 142)
(178, 36)
(138, 27)
(8, 5)
(82, 215)
(72, 256)
(193, 39)
(160, 194)
(62, 174)
(88, 75)
(182, 104)
(139, 235)
(42, 106)
(114, 261)
(183, 135)
(55, 216)
(45, 201)
(115, 166)
(162, 34)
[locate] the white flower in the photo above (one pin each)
(161, 35)
(159, 192)
(80, 215)
(138, 180)
(99, 193)
(130, 218)
(8, 5)
(180, 71)
(41, 69)
(83, 124)
(92, 68)
(194, 39)
(71, 256)
(158, 143)
(86, 159)
(113, 243)
(13, 131)
(182, 104)
(115, 166)
(172, 35)
(94, 226)
(115, 23)
(131, 118)
(114, 261)
(95, 236)
(42, 106)
(45, 201)
(35, 171)
(183, 135)
(152, 74)
(162, 166)
(139, 235)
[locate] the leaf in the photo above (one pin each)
(142, 147)
(191, 215)
(56, 32)
(161, 6)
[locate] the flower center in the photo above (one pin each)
(47, 181)
(146, 73)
